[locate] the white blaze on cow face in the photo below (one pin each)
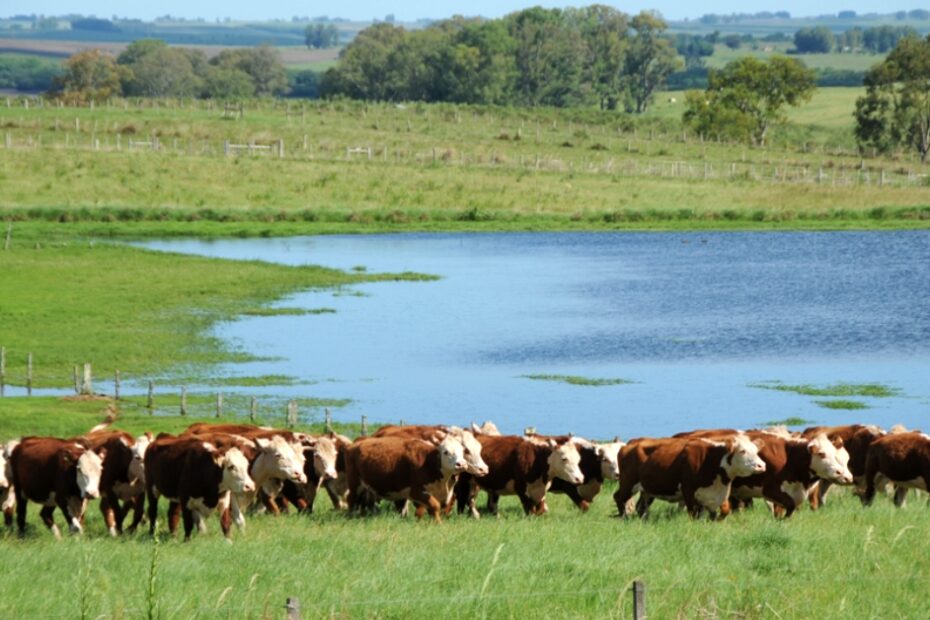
(451, 456)
(235, 472)
(828, 461)
(89, 468)
(565, 463)
(324, 458)
(608, 454)
(285, 462)
(5, 473)
(137, 464)
(742, 458)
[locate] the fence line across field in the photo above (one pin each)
(824, 173)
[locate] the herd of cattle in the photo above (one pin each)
(228, 468)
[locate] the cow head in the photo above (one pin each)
(608, 454)
(89, 466)
(742, 457)
(137, 464)
(324, 457)
(284, 462)
(475, 465)
(565, 462)
(5, 474)
(452, 456)
(488, 428)
(235, 470)
(829, 461)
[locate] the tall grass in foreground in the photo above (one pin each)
(842, 561)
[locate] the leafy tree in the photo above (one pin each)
(91, 75)
(733, 41)
(650, 59)
(881, 39)
(227, 83)
(693, 48)
(305, 84)
(548, 56)
(748, 96)
(482, 65)
(163, 72)
(363, 64)
(817, 40)
(896, 107)
(603, 31)
(262, 64)
(321, 36)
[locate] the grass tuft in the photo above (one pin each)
(792, 421)
(874, 390)
(841, 404)
(577, 380)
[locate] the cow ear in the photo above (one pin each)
(759, 443)
(67, 458)
(838, 442)
(262, 443)
(552, 443)
(218, 457)
(475, 429)
(616, 438)
(102, 453)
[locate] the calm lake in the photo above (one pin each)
(691, 320)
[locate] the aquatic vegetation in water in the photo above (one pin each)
(875, 390)
(576, 380)
(792, 421)
(287, 311)
(841, 404)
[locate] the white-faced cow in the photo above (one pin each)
(400, 469)
(520, 466)
(122, 482)
(7, 496)
(55, 472)
(856, 440)
(197, 477)
(320, 458)
(697, 471)
(598, 463)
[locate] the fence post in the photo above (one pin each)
(116, 385)
(9, 235)
(2, 370)
(86, 385)
(253, 408)
(364, 431)
(219, 404)
(281, 149)
(74, 379)
(639, 600)
(291, 413)
(150, 401)
(29, 375)
(293, 608)
(183, 400)
(226, 148)
(328, 417)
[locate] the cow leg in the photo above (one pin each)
(900, 496)
(138, 508)
(188, 516)
(270, 504)
(336, 496)
(226, 522)
(20, 513)
(579, 501)
(529, 504)
(236, 512)
(428, 503)
(818, 494)
(493, 501)
(73, 508)
(622, 496)
(403, 509)
(153, 511)
(109, 511)
(174, 514)
(8, 517)
(47, 514)
(784, 504)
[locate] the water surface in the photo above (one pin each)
(691, 318)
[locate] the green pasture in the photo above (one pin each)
(763, 51)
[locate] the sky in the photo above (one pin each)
(410, 10)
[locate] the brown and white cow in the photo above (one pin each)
(856, 440)
(435, 435)
(520, 466)
(400, 469)
(902, 459)
(320, 457)
(598, 463)
(55, 472)
(793, 468)
(197, 477)
(697, 471)
(122, 481)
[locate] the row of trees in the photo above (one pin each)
(534, 57)
(150, 68)
(878, 40)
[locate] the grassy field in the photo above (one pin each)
(842, 560)
(445, 166)
(834, 60)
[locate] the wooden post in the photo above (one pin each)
(281, 149)
(150, 401)
(87, 383)
(292, 608)
(291, 413)
(9, 141)
(364, 431)
(2, 370)
(116, 385)
(639, 600)
(226, 148)
(253, 408)
(328, 417)
(29, 375)
(219, 405)
(9, 235)
(183, 400)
